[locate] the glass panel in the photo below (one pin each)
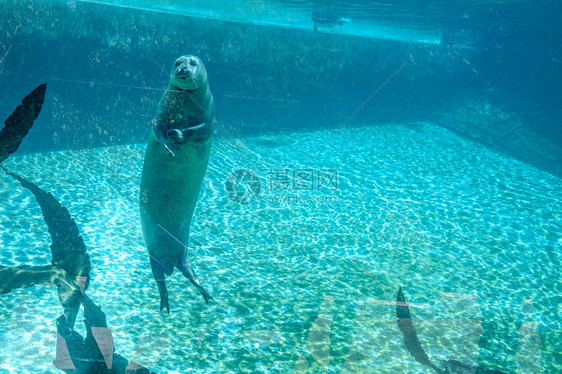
(280, 186)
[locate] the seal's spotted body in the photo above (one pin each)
(175, 162)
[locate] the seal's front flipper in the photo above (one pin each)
(160, 277)
(197, 134)
(159, 132)
(188, 272)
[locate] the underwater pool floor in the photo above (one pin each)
(303, 278)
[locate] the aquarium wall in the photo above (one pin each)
(108, 65)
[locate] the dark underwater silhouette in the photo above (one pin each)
(414, 347)
(67, 248)
(69, 257)
(70, 269)
(24, 276)
(411, 340)
(96, 353)
(20, 122)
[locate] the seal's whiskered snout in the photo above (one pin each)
(186, 67)
(184, 72)
(188, 73)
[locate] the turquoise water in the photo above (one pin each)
(307, 284)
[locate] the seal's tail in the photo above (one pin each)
(160, 277)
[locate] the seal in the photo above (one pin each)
(175, 162)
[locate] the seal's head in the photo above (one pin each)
(188, 73)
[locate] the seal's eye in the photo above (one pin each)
(192, 62)
(178, 62)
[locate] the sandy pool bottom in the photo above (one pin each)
(304, 269)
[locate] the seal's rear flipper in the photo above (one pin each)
(188, 272)
(19, 123)
(160, 277)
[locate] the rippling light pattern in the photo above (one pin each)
(305, 280)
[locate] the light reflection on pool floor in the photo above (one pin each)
(307, 285)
